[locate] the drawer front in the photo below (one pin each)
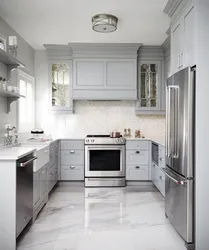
(135, 157)
(137, 145)
(137, 173)
(72, 173)
(72, 157)
(78, 144)
(43, 158)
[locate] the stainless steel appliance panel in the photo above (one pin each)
(105, 182)
(179, 203)
(24, 203)
(179, 124)
(105, 173)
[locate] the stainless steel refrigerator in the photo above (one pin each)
(180, 154)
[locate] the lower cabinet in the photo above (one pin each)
(158, 178)
(72, 173)
(39, 187)
(137, 173)
(72, 160)
(137, 160)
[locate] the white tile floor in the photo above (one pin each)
(131, 218)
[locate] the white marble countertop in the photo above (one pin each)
(15, 153)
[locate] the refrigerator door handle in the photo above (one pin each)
(176, 117)
(168, 126)
(172, 178)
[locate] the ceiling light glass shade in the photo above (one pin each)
(104, 23)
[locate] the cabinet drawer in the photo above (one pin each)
(72, 173)
(132, 144)
(137, 173)
(140, 157)
(76, 144)
(72, 157)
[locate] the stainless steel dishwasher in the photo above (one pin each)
(24, 202)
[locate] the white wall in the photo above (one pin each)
(202, 125)
(91, 117)
(25, 55)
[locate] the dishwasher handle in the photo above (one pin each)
(23, 164)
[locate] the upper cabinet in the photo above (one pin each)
(105, 71)
(151, 83)
(60, 79)
(182, 34)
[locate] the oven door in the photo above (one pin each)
(105, 161)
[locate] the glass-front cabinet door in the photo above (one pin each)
(150, 85)
(61, 86)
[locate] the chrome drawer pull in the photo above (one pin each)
(137, 167)
(137, 152)
(72, 152)
(72, 167)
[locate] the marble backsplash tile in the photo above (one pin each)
(100, 117)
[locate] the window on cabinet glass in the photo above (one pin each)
(60, 85)
(149, 85)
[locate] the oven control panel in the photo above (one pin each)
(105, 141)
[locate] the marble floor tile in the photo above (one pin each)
(75, 218)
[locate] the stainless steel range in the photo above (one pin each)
(104, 161)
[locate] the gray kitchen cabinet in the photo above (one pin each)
(137, 173)
(53, 169)
(72, 173)
(43, 180)
(137, 160)
(182, 35)
(72, 160)
(104, 79)
(60, 77)
(36, 190)
(151, 81)
(39, 189)
(137, 157)
(157, 176)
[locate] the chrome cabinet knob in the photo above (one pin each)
(72, 152)
(137, 167)
(160, 177)
(72, 167)
(137, 152)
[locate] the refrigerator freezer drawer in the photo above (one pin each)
(179, 204)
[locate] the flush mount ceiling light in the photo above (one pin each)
(104, 23)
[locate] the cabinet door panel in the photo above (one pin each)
(189, 39)
(137, 157)
(176, 46)
(121, 74)
(36, 189)
(72, 173)
(137, 173)
(43, 181)
(72, 157)
(89, 74)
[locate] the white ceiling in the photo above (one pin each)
(69, 21)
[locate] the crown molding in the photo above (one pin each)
(57, 51)
(105, 50)
(171, 7)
